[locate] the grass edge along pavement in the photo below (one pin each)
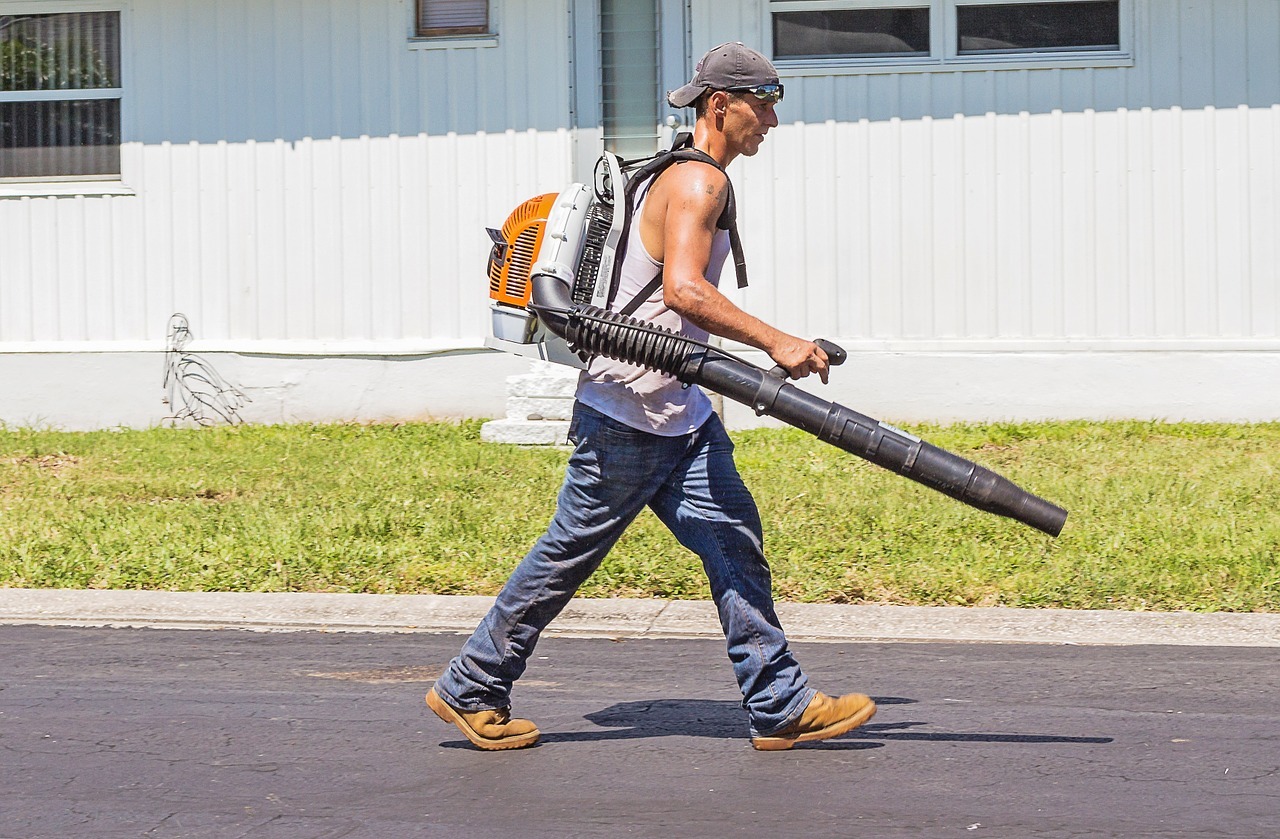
(1164, 516)
(617, 618)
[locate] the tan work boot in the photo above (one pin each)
(489, 730)
(825, 717)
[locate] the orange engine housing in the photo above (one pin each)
(511, 260)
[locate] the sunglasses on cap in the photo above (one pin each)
(763, 92)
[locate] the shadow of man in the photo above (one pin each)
(724, 719)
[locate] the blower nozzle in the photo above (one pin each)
(594, 331)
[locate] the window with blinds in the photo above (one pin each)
(452, 17)
(60, 95)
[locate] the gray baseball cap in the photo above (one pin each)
(726, 66)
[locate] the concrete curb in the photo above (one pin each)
(618, 618)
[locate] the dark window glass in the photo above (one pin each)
(59, 138)
(851, 33)
(46, 130)
(60, 52)
(1038, 27)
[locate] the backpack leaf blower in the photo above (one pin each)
(550, 273)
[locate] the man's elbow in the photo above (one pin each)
(682, 297)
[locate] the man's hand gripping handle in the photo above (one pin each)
(835, 356)
(772, 383)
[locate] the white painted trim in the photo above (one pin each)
(248, 347)
(476, 41)
(43, 189)
(68, 95)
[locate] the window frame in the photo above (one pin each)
(449, 37)
(103, 184)
(944, 48)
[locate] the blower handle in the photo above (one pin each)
(835, 356)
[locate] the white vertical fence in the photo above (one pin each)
(358, 240)
(1086, 229)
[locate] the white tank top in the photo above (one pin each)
(645, 400)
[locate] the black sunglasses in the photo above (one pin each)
(763, 92)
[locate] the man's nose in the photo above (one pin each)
(771, 118)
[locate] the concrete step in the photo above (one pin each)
(525, 432)
(538, 408)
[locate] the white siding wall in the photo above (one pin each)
(1017, 209)
(300, 174)
(305, 181)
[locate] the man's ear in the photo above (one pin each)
(718, 103)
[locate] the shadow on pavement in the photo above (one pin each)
(726, 720)
(888, 731)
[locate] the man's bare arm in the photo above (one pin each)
(696, 196)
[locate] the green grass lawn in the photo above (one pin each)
(1163, 516)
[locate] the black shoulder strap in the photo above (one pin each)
(681, 150)
(643, 295)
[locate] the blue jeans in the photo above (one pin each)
(692, 485)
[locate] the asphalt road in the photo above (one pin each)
(109, 733)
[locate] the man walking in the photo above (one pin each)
(642, 438)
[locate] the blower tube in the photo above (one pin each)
(595, 331)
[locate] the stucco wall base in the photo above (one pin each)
(80, 391)
(948, 387)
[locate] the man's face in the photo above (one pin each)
(747, 121)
